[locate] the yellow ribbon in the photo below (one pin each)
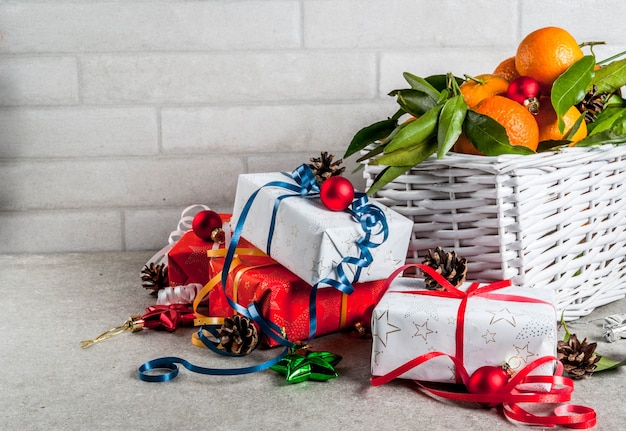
(344, 311)
(207, 320)
(239, 272)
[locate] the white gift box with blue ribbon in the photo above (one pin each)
(311, 240)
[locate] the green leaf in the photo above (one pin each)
(605, 120)
(443, 96)
(488, 136)
(609, 78)
(415, 102)
(385, 177)
(615, 135)
(372, 153)
(370, 134)
(415, 131)
(408, 156)
(450, 124)
(551, 144)
(440, 82)
(615, 101)
(570, 88)
(418, 83)
(608, 364)
(384, 141)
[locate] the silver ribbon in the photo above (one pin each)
(178, 294)
(614, 327)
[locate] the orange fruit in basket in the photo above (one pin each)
(476, 89)
(464, 146)
(520, 125)
(549, 126)
(506, 69)
(545, 54)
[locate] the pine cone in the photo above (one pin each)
(578, 359)
(238, 335)
(323, 167)
(448, 265)
(154, 277)
(592, 104)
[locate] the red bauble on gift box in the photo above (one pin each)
(337, 193)
(207, 225)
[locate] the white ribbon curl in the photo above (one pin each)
(178, 294)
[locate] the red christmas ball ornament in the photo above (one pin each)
(488, 380)
(337, 193)
(207, 225)
(526, 91)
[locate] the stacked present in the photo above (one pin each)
(289, 252)
(496, 340)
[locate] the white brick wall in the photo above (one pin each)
(115, 115)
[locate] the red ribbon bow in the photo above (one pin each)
(451, 291)
(514, 392)
(168, 317)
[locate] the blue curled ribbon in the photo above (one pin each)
(305, 185)
(167, 365)
(369, 216)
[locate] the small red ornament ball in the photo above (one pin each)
(488, 380)
(337, 193)
(526, 91)
(206, 224)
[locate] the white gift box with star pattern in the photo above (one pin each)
(309, 239)
(406, 325)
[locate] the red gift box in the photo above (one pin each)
(283, 298)
(188, 262)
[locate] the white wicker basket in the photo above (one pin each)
(554, 219)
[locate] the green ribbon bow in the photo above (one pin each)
(306, 365)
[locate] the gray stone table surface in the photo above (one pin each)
(49, 303)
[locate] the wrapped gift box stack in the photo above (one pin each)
(309, 241)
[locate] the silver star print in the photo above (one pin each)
(490, 337)
(423, 330)
(523, 352)
(390, 258)
(318, 267)
(350, 242)
(376, 355)
(522, 357)
(503, 314)
(384, 328)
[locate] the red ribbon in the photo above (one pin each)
(452, 292)
(509, 397)
(168, 317)
(570, 416)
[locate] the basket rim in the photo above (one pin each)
(547, 160)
